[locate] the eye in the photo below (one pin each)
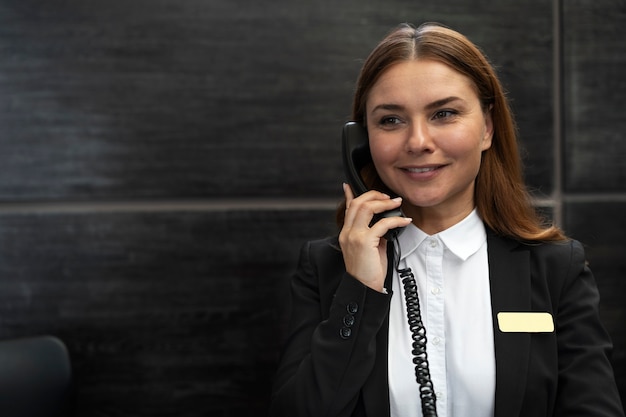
(389, 121)
(444, 114)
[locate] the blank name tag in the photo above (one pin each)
(525, 322)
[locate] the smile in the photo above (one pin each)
(420, 170)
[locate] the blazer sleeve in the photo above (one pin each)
(331, 347)
(586, 385)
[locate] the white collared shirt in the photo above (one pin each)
(452, 274)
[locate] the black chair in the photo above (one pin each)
(35, 377)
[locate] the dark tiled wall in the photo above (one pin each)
(594, 150)
(165, 313)
(163, 161)
(594, 58)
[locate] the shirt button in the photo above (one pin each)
(433, 243)
(352, 307)
(436, 341)
(345, 332)
(436, 290)
(348, 320)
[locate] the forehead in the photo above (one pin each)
(421, 80)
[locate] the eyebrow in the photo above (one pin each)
(429, 106)
(442, 102)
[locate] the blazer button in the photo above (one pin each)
(345, 332)
(348, 320)
(352, 307)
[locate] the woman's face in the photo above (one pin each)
(427, 131)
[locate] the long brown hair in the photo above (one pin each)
(501, 197)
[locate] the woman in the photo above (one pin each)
(508, 304)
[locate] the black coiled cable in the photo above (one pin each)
(418, 331)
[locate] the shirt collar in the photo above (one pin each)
(463, 239)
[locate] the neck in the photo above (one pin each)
(432, 220)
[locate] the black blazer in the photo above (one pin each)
(335, 360)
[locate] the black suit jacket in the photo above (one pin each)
(335, 360)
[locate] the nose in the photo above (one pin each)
(419, 138)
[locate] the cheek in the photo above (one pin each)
(467, 144)
(383, 156)
(382, 150)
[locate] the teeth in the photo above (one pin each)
(419, 170)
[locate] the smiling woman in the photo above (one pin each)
(500, 194)
(473, 267)
(427, 132)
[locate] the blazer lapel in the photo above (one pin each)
(509, 277)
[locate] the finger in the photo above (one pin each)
(380, 206)
(361, 209)
(348, 193)
(382, 226)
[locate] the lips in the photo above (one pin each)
(420, 170)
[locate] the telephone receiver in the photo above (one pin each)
(356, 154)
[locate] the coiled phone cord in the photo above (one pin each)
(418, 332)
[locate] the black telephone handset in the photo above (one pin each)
(356, 155)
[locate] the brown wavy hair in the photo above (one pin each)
(501, 197)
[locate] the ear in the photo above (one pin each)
(488, 135)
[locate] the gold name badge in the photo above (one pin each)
(525, 322)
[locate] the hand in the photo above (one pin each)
(364, 248)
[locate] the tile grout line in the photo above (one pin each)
(243, 204)
(206, 205)
(557, 79)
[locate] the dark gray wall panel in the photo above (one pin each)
(181, 312)
(595, 89)
(125, 99)
(169, 314)
(600, 226)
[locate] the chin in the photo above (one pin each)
(423, 202)
(421, 196)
